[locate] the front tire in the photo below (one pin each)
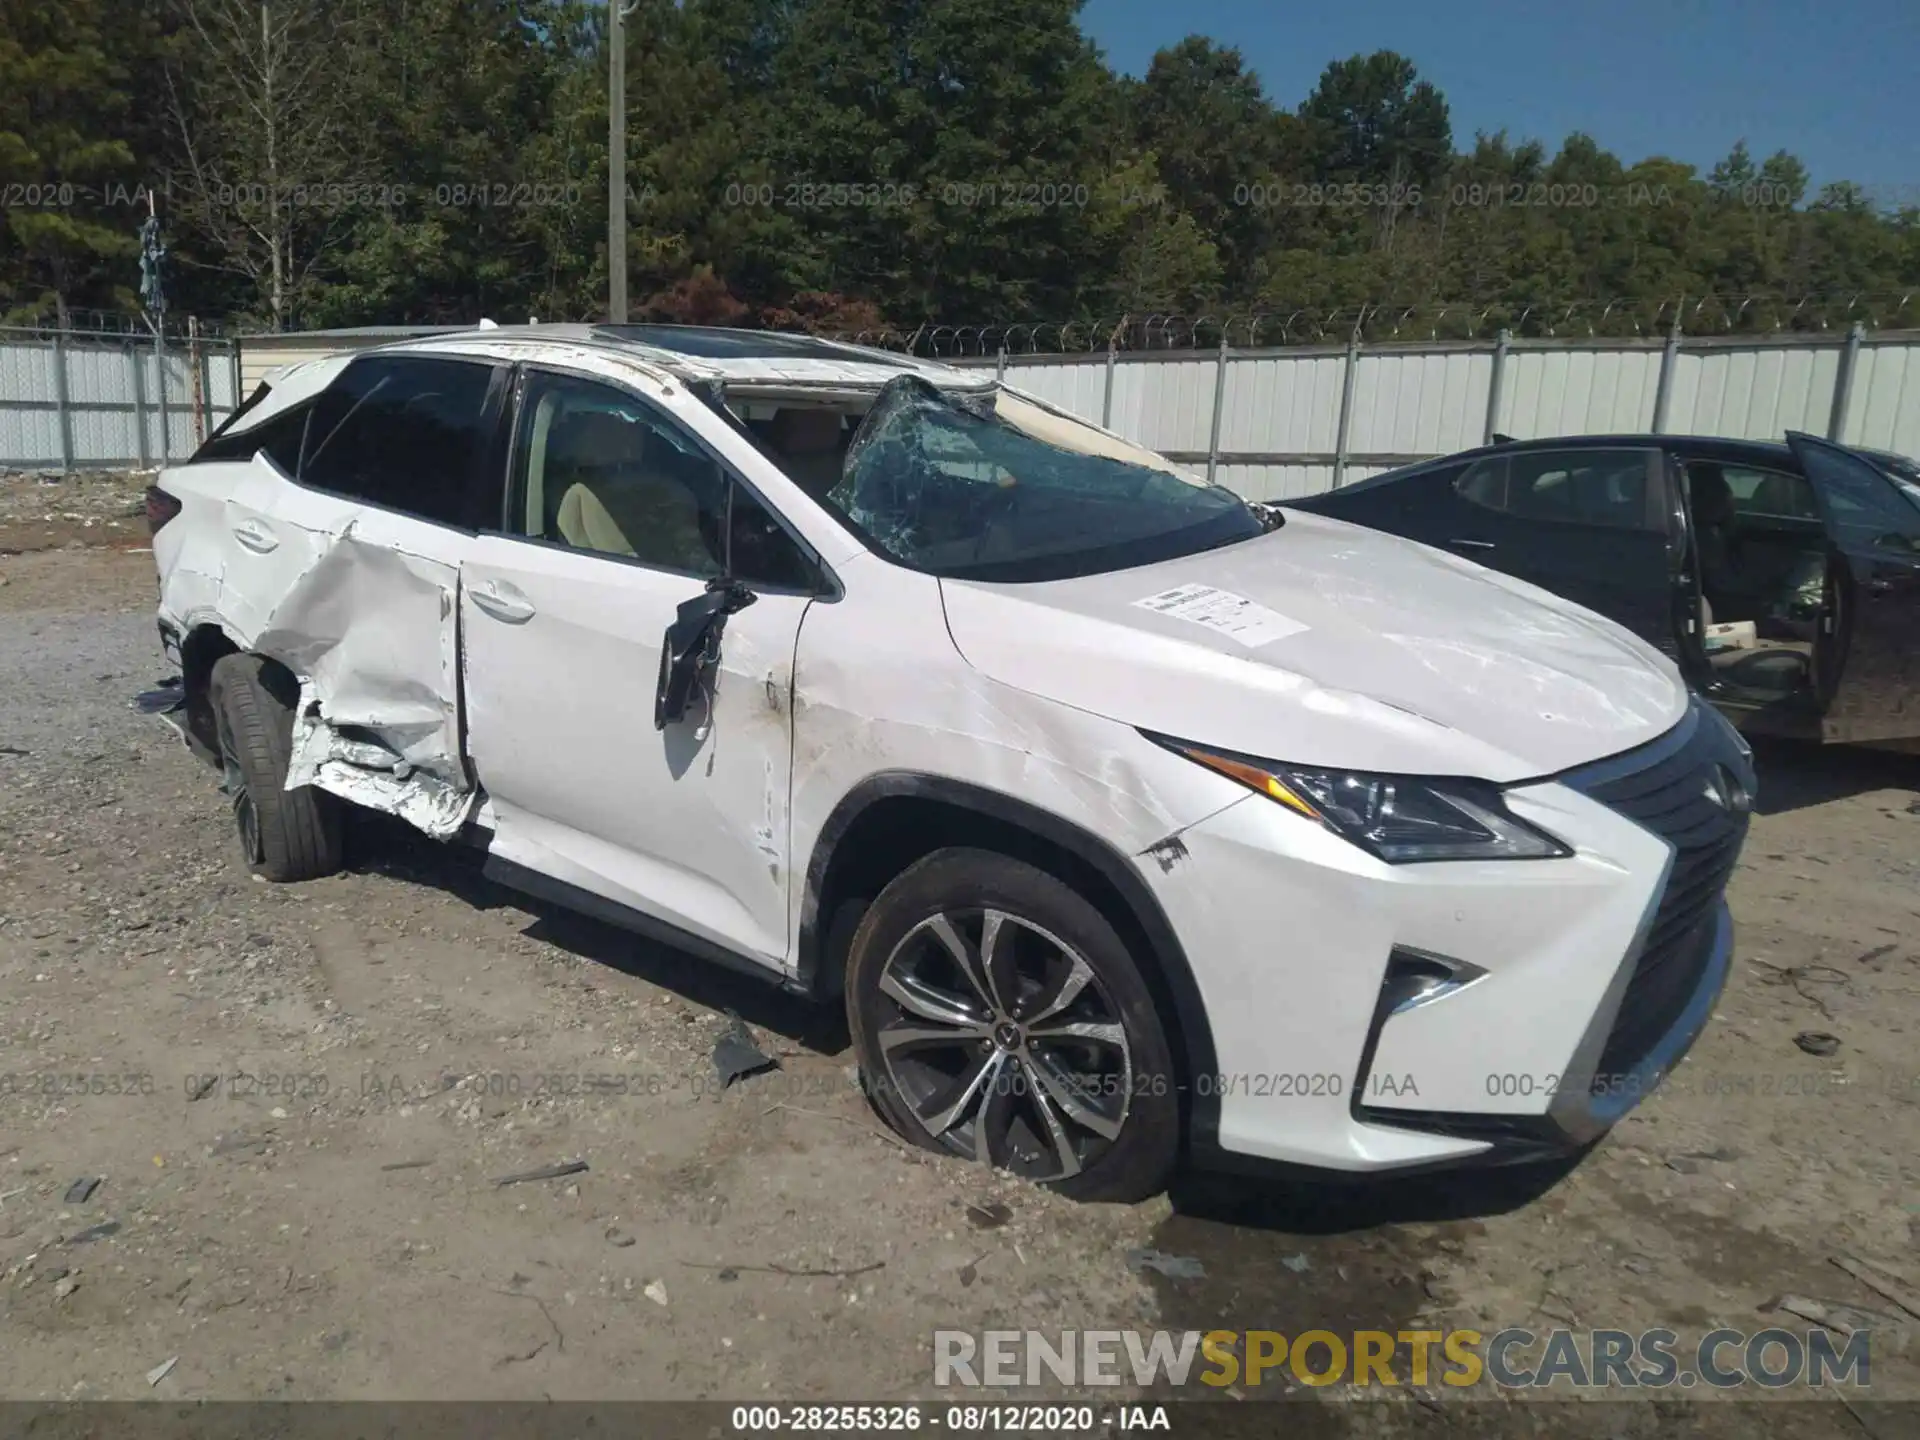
(997, 1016)
(284, 834)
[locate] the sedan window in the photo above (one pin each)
(1581, 487)
(1770, 493)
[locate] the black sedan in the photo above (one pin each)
(1784, 579)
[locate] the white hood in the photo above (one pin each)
(1323, 643)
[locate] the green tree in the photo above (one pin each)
(64, 155)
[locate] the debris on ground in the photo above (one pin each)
(96, 1232)
(736, 1056)
(406, 1165)
(160, 1371)
(237, 1143)
(545, 1172)
(1174, 1267)
(1817, 1042)
(990, 1216)
(169, 695)
(618, 1238)
(81, 1190)
(792, 1272)
(1831, 1314)
(655, 1291)
(1299, 1264)
(1882, 1281)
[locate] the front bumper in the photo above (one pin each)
(1591, 974)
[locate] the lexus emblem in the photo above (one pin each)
(1725, 790)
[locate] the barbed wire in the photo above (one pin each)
(121, 324)
(1644, 317)
(1373, 322)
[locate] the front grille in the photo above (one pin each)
(1669, 787)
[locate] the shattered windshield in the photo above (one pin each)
(995, 487)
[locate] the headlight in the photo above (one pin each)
(1395, 817)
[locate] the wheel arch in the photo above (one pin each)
(892, 819)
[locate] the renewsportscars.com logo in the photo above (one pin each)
(1515, 1358)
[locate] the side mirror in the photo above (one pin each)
(692, 646)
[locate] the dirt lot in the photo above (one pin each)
(386, 1044)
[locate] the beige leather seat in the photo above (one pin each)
(586, 524)
(620, 495)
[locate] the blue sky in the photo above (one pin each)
(1836, 83)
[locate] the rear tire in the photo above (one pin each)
(284, 834)
(1047, 1058)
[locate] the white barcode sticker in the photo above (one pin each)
(1235, 616)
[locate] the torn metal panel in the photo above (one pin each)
(370, 627)
(370, 774)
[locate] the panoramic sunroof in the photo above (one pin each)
(713, 344)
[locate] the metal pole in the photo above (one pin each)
(1219, 405)
(196, 362)
(1346, 409)
(1000, 366)
(1106, 398)
(138, 366)
(234, 397)
(1663, 391)
(160, 364)
(64, 415)
(1843, 382)
(1501, 345)
(616, 163)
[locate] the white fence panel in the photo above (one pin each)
(1282, 404)
(1564, 391)
(1278, 429)
(1884, 403)
(1753, 394)
(1426, 402)
(87, 399)
(1074, 385)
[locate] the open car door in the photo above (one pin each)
(1869, 658)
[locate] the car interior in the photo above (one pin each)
(1761, 553)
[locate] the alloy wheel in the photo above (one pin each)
(1003, 1043)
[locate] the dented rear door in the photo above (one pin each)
(394, 474)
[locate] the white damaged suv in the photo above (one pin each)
(1129, 818)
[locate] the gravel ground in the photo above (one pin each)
(50, 511)
(383, 1046)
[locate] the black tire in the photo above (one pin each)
(905, 941)
(284, 834)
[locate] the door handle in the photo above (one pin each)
(1472, 544)
(256, 537)
(503, 602)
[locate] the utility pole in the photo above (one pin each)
(616, 162)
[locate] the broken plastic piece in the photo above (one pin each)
(735, 1056)
(1174, 1267)
(81, 1190)
(545, 1172)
